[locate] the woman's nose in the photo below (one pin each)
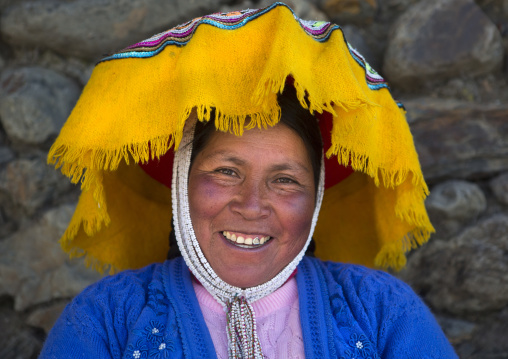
(251, 201)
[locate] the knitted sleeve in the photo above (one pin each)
(416, 334)
(96, 323)
(397, 322)
(70, 338)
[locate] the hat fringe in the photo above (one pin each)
(74, 161)
(307, 101)
(238, 124)
(77, 163)
(90, 261)
(90, 226)
(390, 178)
(392, 255)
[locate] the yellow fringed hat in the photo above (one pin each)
(120, 137)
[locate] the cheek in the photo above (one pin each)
(206, 199)
(296, 215)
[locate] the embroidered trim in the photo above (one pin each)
(362, 347)
(164, 349)
(199, 341)
(157, 300)
(374, 80)
(155, 342)
(137, 351)
(181, 35)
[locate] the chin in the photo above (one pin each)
(245, 278)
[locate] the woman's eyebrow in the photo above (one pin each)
(224, 156)
(292, 166)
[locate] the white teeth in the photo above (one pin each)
(247, 241)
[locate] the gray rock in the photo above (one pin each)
(30, 183)
(72, 67)
(7, 224)
(33, 267)
(18, 341)
(7, 227)
(497, 10)
(499, 186)
(5, 155)
(441, 39)
(341, 12)
(3, 138)
(98, 26)
(467, 274)
(490, 88)
(457, 330)
(484, 339)
(378, 31)
(457, 139)
(46, 317)
(6, 3)
(490, 339)
(459, 88)
(243, 4)
(453, 205)
(396, 7)
(34, 103)
(303, 9)
(357, 38)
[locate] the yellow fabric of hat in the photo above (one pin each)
(133, 109)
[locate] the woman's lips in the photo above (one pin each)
(246, 240)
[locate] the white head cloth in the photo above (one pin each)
(247, 346)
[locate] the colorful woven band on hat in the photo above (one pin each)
(134, 107)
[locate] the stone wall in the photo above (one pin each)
(445, 60)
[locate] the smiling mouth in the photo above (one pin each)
(246, 241)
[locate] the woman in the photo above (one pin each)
(248, 183)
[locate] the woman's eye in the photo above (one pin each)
(226, 171)
(285, 180)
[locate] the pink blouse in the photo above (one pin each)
(277, 319)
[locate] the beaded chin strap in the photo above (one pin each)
(243, 340)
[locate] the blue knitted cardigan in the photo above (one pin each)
(346, 312)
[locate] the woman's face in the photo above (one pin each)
(257, 188)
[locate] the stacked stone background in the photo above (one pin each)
(444, 59)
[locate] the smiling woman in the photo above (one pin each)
(258, 187)
(252, 197)
(244, 128)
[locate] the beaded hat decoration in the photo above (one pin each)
(119, 140)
